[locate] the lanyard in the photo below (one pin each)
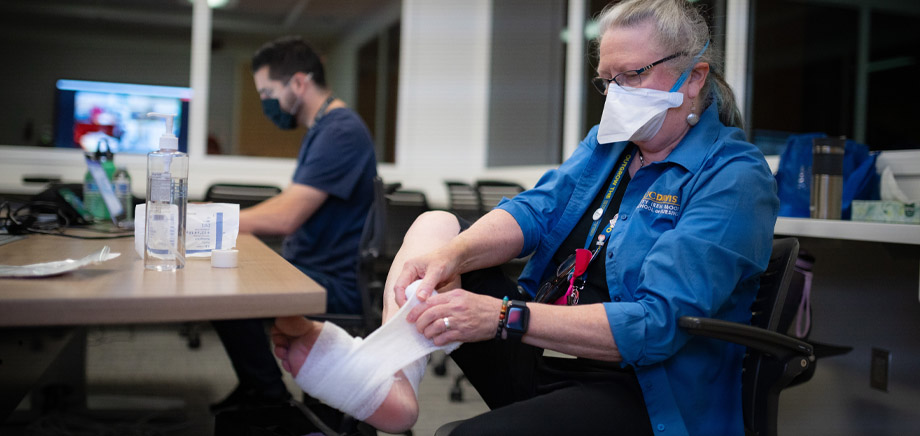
(599, 213)
(322, 109)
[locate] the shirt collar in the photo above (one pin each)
(691, 151)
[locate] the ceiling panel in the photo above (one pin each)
(320, 21)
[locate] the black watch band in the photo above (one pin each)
(517, 320)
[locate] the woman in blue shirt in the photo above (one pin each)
(672, 212)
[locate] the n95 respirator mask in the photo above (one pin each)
(635, 114)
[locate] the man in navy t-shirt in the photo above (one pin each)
(322, 211)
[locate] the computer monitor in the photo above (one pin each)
(88, 113)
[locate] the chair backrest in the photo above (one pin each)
(492, 191)
(764, 377)
(244, 195)
(374, 233)
(464, 200)
(370, 288)
(402, 208)
(370, 248)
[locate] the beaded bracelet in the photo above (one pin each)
(501, 317)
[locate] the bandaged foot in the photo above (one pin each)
(355, 375)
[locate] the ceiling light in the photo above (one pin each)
(218, 4)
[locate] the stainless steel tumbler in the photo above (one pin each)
(827, 177)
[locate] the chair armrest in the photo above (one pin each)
(765, 341)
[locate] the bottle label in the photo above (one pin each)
(162, 230)
(160, 187)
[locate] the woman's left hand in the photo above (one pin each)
(470, 317)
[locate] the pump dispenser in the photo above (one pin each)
(167, 197)
(168, 141)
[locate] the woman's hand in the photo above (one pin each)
(437, 270)
(471, 317)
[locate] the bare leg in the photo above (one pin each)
(430, 231)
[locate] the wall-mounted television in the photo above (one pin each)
(88, 113)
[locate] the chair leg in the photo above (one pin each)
(192, 332)
(456, 392)
(440, 368)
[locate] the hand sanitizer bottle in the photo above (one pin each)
(167, 196)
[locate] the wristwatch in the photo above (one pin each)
(517, 320)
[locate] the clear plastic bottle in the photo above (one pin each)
(167, 196)
(92, 199)
(122, 182)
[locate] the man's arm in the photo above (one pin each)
(283, 213)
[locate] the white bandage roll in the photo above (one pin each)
(415, 371)
(224, 258)
(355, 375)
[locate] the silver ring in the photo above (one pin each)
(446, 323)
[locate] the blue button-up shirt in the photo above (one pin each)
(693, 234)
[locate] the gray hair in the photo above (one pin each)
(679, 29)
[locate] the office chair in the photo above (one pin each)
(370, 249)
(491, 192)
(373, 246)
(772, 359)
(464, 200)
(402, 208)
(245, 196)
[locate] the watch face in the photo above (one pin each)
(515, 318)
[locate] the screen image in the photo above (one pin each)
(89, 114)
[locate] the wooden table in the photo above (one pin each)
(121, 291)
(41, 319)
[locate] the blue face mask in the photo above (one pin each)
(271, 107)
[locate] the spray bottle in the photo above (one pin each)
(167, 196)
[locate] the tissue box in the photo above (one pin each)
(885, 212)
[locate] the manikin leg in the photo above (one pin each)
(355, 375)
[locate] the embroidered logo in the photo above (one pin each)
(666, 204)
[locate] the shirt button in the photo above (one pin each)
(617, 298)
(623, 216)
(610, 255)
(660, 427)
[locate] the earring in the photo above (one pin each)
(693, 118)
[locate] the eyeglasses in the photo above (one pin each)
(631, 78)
(567, 278)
